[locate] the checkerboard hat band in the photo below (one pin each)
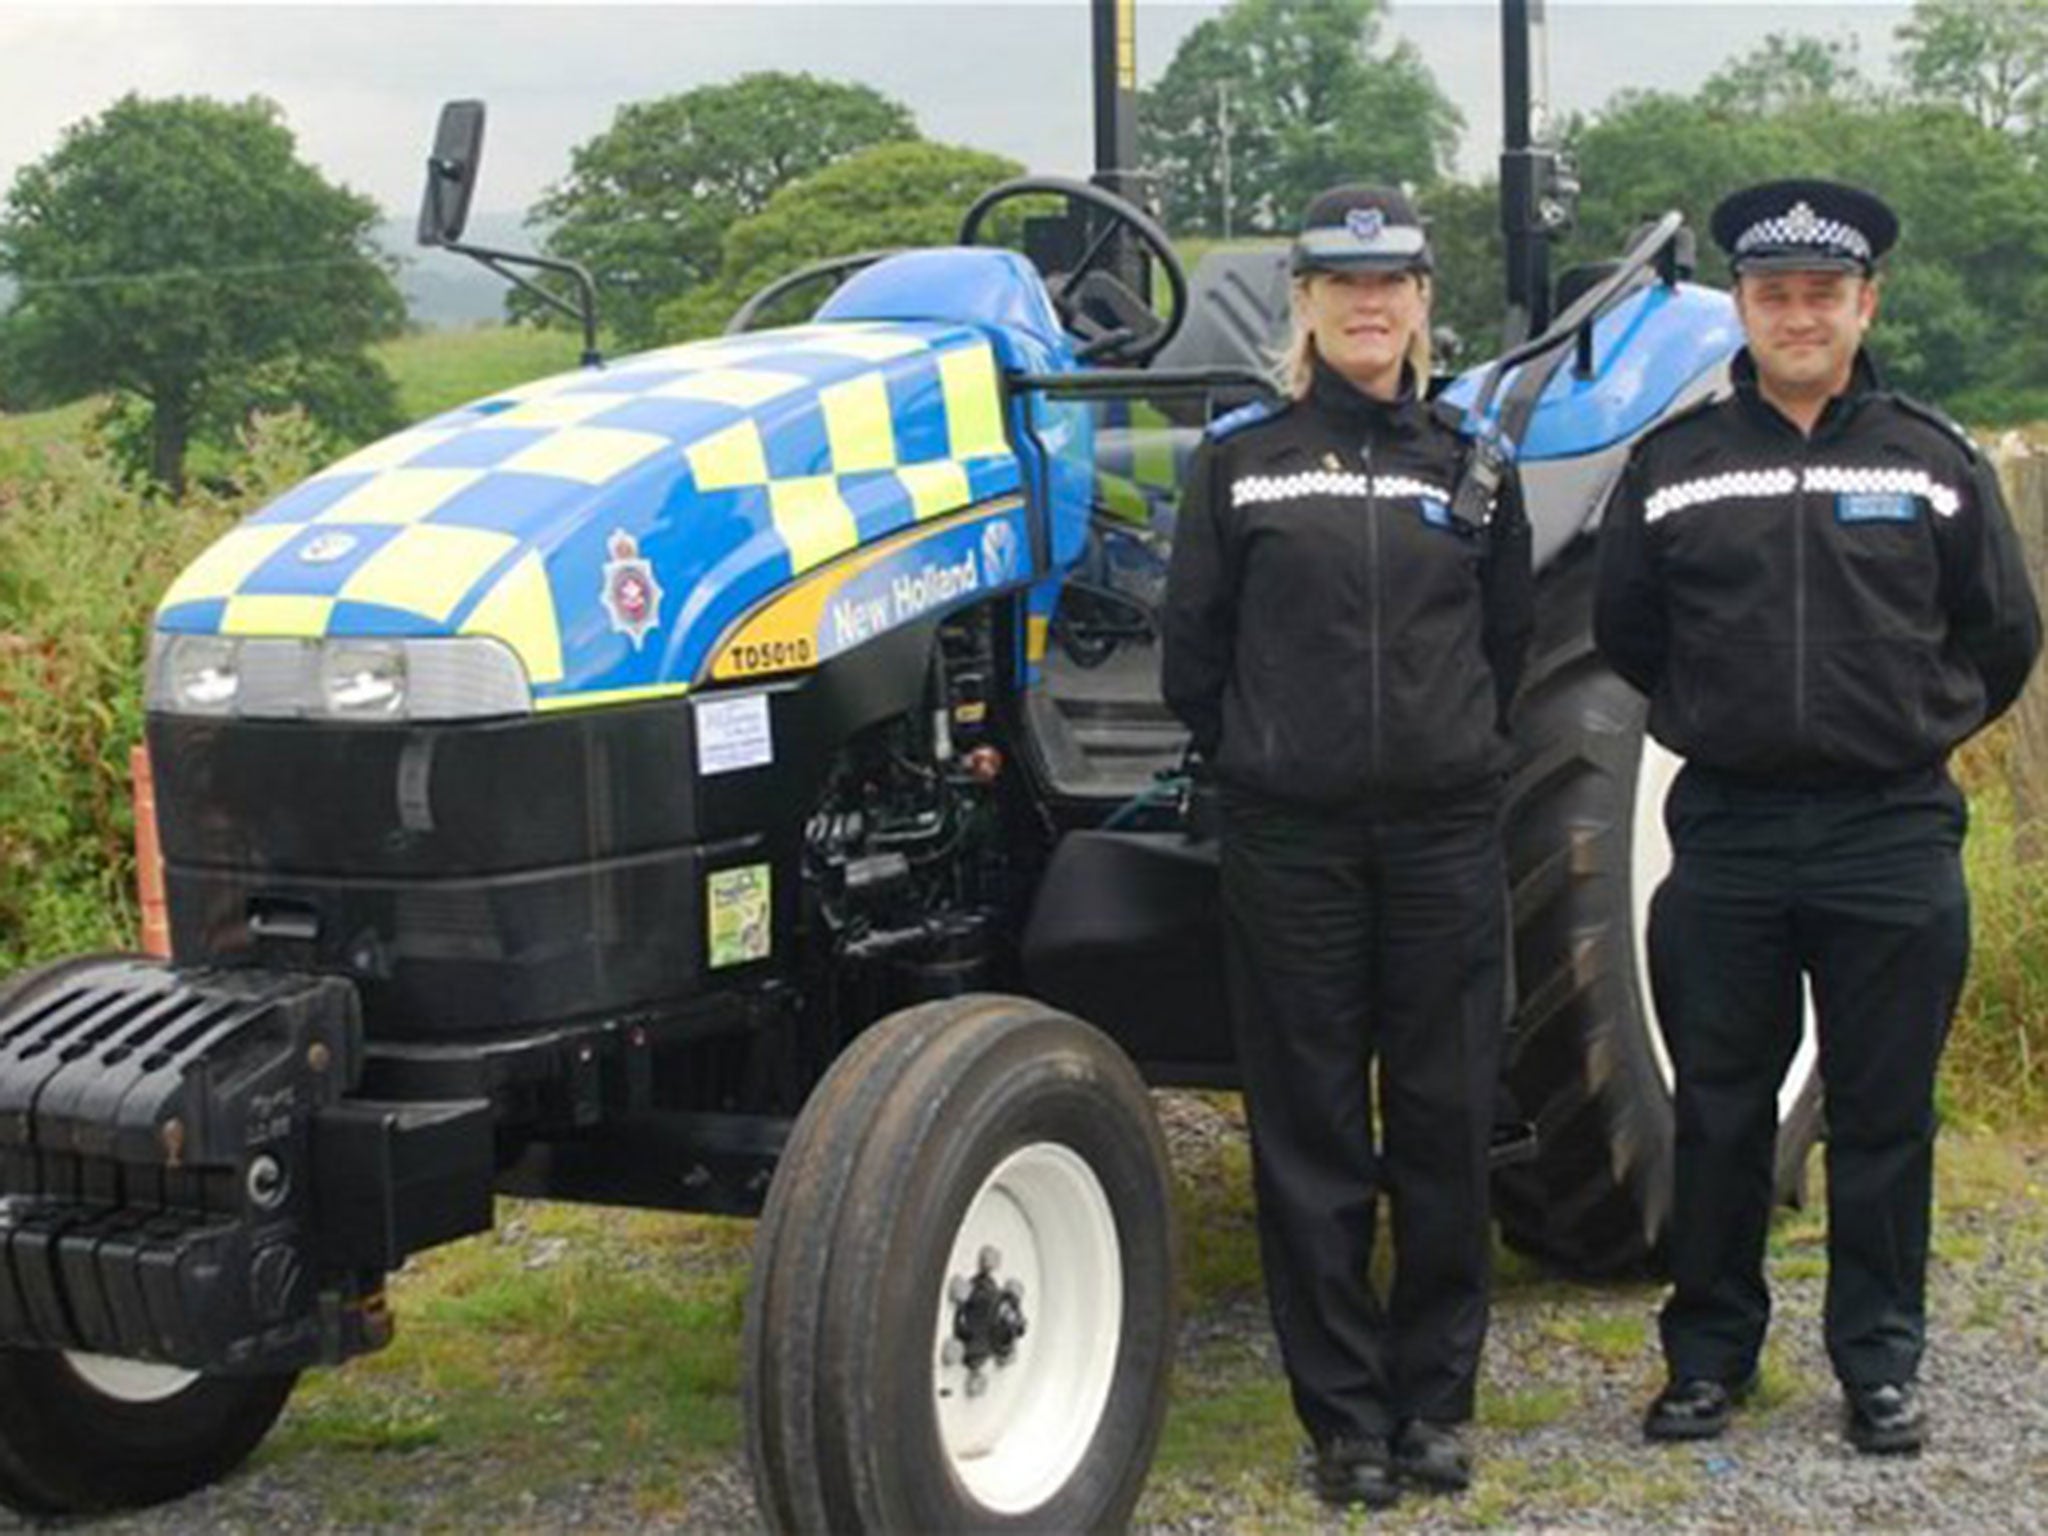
(1801, 226)
(1804, 222)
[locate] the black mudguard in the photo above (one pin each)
(1127, 933)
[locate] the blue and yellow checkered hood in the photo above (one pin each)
(729, 467)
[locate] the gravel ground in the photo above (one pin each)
(1568, 1369)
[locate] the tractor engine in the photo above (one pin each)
(904, 871)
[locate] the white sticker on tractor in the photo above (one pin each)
(733, 734)
(737, 915)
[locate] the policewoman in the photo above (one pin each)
(1343, 645)
(1816, 583)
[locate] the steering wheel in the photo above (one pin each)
(1114, 324)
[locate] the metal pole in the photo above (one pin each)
(1522, 169)
(1223, 133)
(1514, 58)
(1116, 96)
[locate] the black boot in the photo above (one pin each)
(1432, 1456)
(1355, 1473)
(1887, 1420)
(1695, 1408)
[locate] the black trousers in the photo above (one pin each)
(1860, 891)
(1352, 937)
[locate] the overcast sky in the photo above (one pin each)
(361, 85)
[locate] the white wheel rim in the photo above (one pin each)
(1650, 856)
(1016, 1438)
(129, 1381)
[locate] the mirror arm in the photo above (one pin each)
(584, 310)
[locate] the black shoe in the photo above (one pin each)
(1694, 1408)
(1887, 1420)
(1432, 1456)
(1355, 1473)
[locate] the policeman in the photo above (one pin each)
(1816, 583)
(1342, 635)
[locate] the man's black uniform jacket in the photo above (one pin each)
(1809, 611)
(1333, 635)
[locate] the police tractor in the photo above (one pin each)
(732, 778)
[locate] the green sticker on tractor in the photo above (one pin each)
(736, 910)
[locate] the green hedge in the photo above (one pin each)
(83, 560)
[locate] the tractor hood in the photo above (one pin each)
(615, 526)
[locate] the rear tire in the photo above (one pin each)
(83, 1434)
(1585, 1061)
(955, 1149)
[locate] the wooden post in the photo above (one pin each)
(2025, 476)
(149, 859)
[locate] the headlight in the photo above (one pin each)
(363, 681)
(200, 674)
(466, 678)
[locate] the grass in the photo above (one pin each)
(1525, 1490)
(438, 370)
(571, 1346)
(434, 370)
(1612, 1337)
(27, 438)
(1223, 1266)
(1995, 1069)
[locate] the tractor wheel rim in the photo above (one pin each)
(129, 1381)
(1040, 1230)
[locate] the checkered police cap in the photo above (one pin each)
(1355, 228)
(1807, 225)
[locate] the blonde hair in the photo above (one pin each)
(1294, 365)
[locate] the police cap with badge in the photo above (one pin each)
(1361, 229)
(1804, 225)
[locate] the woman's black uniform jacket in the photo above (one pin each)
(1809, 610)
(1334, 637)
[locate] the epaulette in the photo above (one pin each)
(1939, 419)
(1232, 422)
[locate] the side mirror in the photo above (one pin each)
(451, 173)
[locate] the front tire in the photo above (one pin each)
(961, 1316)
(1585, 1059)
(83, 1434)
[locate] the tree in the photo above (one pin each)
(1470, 250)
(1784, 72)
(180, 252)
(1962, 304)
(1989, 57)
(892, 195)
(1301, 97)
(647, 201)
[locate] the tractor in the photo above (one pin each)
(732, 778)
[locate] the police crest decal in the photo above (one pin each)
(632, 596)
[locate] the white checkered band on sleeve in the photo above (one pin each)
(1822, 479)
(1254, 490)
(1843, 480)
(1737, 485)
(1394, 487)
